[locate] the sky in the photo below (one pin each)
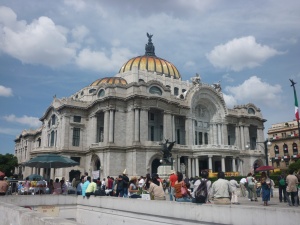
(55, 48)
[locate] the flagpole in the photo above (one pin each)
(296, 106)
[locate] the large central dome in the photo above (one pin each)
(151, 63)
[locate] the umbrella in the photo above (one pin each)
(35, 177)
(51, 161)
(2, 174)
(264, 168)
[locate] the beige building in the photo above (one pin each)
(119, 122)
(285, 141)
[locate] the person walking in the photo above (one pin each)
(291, 189)
(282, 187)
(221, 190)
(234, 185)
(243, 184)
(265, 187)
(251, 187)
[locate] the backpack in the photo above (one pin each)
(201, 192)
(282, 181)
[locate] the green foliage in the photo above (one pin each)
(8, 162)
(295, 166)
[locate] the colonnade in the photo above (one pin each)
(192, 167)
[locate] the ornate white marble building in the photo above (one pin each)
(118, 122)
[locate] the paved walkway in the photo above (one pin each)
(274, 202)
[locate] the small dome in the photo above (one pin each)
(150, 62)
(109, 80)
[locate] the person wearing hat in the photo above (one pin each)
(3, 186)
(173, 178)
(125, 180)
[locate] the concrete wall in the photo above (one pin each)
(114, 211)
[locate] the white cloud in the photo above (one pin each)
(9, 131)
(99, 61)
(26, 120)
(80, 32)
(254, 90)
(228, 78)
(5, 91)
(41, 42)
(240, 53)
(78, 5)
(230, 100)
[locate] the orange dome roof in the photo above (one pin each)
(150, 62)
(109, 80)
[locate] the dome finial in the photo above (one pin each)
(150, 49)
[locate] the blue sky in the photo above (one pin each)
(52, 48)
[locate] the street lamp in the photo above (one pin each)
(265, 145)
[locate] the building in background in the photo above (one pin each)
(285, 141)
(119, 123)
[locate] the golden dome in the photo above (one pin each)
(109, 80)
(150, 62)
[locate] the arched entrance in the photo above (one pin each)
(155, 164)
(95, 165)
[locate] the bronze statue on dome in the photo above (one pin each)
(149, 37)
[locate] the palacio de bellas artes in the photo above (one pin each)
(122, 122)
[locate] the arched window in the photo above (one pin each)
(155, 90)
(101, 93)
(82, 93)
(176, 91)
(92, 90)
(295, 149)
(53, 119)
(285, 149)
(276, 150)
(251, 111)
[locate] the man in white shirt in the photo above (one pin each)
(221, 190)
(243, 181)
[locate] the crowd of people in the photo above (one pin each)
(180, 189)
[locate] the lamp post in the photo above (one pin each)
(265, 145)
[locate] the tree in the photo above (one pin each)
(8, 162)
(295, 166)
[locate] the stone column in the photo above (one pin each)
(219, 128)
(210, 163)
(247, 135)
(241, 167)
(193, 167)
(136, 125)
(225, 134)
(143, 125)
(168, 127)
(106, 127)
(233, 165)
(52, 174)
(173, 127)
(178, 164)
(189, 167)
(237, 137)
(189, 140)
(111, 126)
(197, 166)
(223, 163)
(215, 134)
(211, 136)
(260, 138)
(242, 138)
